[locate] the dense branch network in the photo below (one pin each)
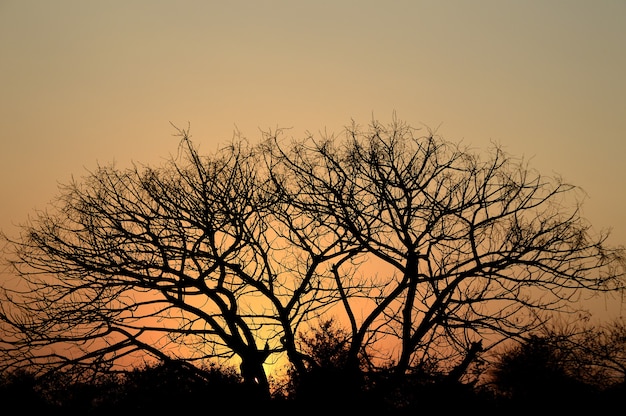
(424, 249)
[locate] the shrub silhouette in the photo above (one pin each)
(536, 372)
(20, 390)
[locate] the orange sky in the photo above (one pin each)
(87, 82)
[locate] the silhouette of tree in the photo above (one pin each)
(536, 371)
(565, 365)
(177, 261)
(447, 248)
(601, 354)
(325, 347)
(420, 245)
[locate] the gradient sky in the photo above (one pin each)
(86, 82)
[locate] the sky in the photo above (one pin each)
(86, 82)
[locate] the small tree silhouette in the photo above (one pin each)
(326, 349)
(567, 365)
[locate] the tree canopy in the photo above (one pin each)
(429, 252)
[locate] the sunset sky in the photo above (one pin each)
(91, 82)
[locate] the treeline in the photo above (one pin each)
(555, 371)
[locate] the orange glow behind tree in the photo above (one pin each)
(411, 240)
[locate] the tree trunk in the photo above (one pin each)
(254, 378)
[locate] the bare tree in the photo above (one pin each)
(183, 262)
(467, 249)
(422, 246)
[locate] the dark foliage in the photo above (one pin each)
(551, 372)
(170, 389)
(166, 388)
(20, 390)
